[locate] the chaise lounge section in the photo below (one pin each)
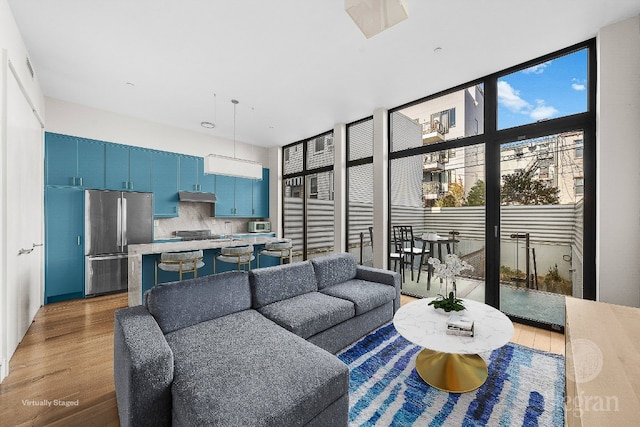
(249, 348)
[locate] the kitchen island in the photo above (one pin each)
(142, 258)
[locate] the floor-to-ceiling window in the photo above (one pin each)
(436, 187)
(360, 190)
(545, 132)
(308, 190)
(505, 169)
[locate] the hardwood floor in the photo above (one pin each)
(67, 357)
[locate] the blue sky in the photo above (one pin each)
(548, 90)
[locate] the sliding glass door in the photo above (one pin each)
(541, 223)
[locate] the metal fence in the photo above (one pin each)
(549, 224)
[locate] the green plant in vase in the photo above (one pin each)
(446, 271)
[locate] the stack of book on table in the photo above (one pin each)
(459, 325)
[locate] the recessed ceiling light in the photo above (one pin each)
(207, 125)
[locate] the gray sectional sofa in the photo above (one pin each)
(249, 349)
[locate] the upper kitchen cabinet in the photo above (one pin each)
(260, 208)
(225, 193)
(242, 197)
(164, 183)
(127, 168)
(75, 162)
(192, 176)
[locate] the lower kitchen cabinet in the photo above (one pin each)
(64, 244)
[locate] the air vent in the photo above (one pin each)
(30, 68)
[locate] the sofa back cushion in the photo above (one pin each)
(181, 304)
(333, 269)
(272, 284)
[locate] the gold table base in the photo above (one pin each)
(455, 373)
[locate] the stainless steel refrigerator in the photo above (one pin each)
(113, 221)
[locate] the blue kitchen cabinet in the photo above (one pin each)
(244, 197)
(64, 244)
(164, 183)
(117, 167)
(140, 169)
(75, 162)
(261, 196)
(207, 181)
(192, 176)
(127, 168)
(189, 173)
(225, 193)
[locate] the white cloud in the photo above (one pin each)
(578, 86)
(537, 69)
(510, 97)
(542, 111)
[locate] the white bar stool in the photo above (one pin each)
(181, 262)
(239, 255)
(280, 249)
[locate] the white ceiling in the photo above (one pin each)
(297, 66)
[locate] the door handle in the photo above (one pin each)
(119, 222)
(78, 239)
(124, 222)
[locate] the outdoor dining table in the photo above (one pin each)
(432, 240)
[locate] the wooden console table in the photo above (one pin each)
(602, 364)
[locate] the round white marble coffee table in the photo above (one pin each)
(451, 362)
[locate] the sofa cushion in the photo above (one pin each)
(364, 295)
(244, 370)
(308, 314)
(177, 305)
(271, 284)
(333, 269)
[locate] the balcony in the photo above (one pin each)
(432, 133)
(431, 190)
(430, 165)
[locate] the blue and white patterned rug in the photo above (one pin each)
(525, 387)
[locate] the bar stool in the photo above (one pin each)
(280, 249)
(240, 255)
(182, 262)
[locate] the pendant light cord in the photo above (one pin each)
(235, 102)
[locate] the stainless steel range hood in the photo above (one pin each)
(197, 197)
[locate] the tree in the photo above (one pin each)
(520, 188)
(476, 196)
(454, 197)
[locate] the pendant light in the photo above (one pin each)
(233, 166)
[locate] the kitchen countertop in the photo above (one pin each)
(175, 245)
(137, 251)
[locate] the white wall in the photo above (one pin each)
(618, 163)
(21, 184)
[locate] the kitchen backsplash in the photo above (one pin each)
(197, 216)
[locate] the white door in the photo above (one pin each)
(24, 215)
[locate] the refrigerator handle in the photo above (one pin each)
(119, 223)
(124, 223)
